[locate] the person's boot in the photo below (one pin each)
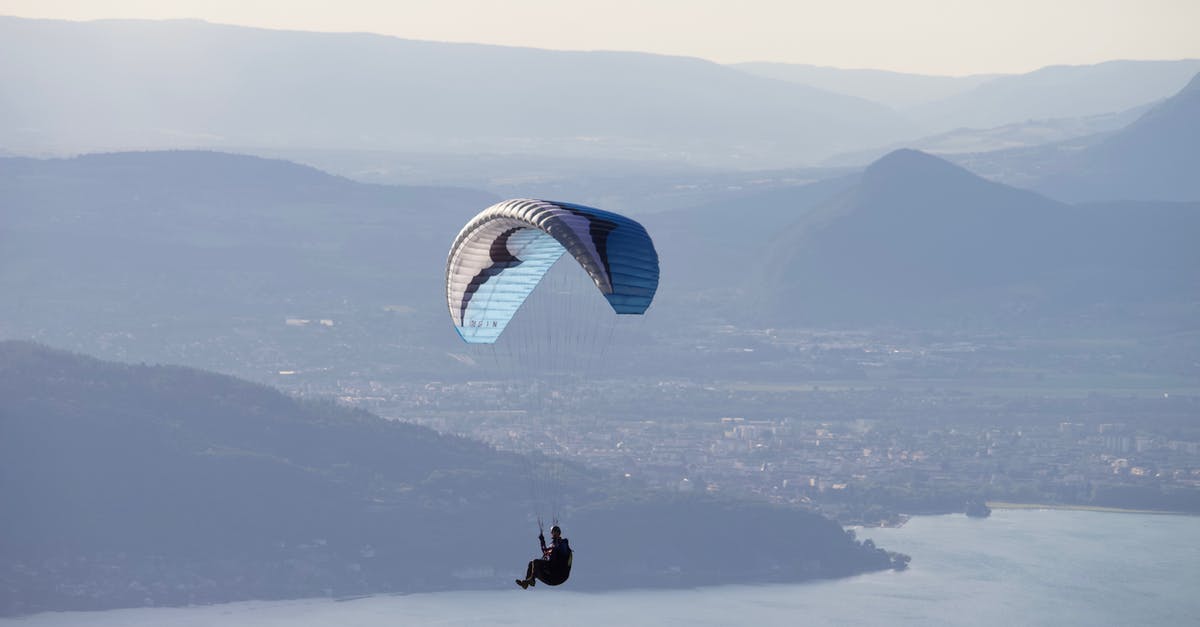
(532, 581)
(524, 584)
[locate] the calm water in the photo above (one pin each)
(1019, 567)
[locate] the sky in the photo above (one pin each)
(947, 37)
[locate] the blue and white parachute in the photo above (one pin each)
(502, 254)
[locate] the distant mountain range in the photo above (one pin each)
(155, 254)
(1058, 92)
(1010, 127)
(139, 247)
(1027, 136)
(132, 485)
(1155, 157)
(897, 90)
(72, 87)
(261, 228)
(141, 84)
(920, 241)
(916, 241)
(940, 104)
(193, 257)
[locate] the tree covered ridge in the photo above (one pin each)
(131, 485)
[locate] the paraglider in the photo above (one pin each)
(554, 567)
(498, 260)
(502, 254)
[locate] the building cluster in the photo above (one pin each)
(813, 447)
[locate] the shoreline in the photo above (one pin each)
(904, 518)
(1085, 508)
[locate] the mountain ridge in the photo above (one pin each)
(895, 89)
(1060, 91)
(922, 241)
(130, 485)
(1153, 158)
(246, 87)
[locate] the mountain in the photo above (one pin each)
(708, 251)
(920, 241)
(130, 485)
(120, 84)
(204, 224)
(1028, 137)
(151, 255)
(1056, 92)
(898, 90)
(259, 268)
(1157, 157)
(1153, 157)
(969, 105)
(269, 270)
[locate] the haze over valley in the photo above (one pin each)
(228, 372)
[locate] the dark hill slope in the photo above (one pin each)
(207, 488)
(925, 242)
(129, 485)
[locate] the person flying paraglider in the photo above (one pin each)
(497, 261)
(554, 566)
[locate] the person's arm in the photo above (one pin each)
(562, 549)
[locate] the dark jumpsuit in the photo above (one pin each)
(554, 569)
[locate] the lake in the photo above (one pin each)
(1018, 567)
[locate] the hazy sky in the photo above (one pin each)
(925, 36)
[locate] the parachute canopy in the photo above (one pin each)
(502, 254)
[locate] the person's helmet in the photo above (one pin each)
(555, 529)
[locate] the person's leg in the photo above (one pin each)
(541, 570)
(528, 580)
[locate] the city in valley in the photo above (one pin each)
(878, 429)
